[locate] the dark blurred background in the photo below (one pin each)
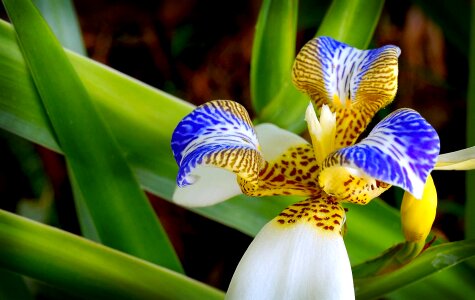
(201, 50)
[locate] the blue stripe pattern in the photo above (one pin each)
(401, 150)
(344, 67)
(218, 133)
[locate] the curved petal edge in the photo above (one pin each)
(218, 133)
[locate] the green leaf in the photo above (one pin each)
(365, 223)
(129, 107)
(458, 282)
(122, 215)
(352, 21)
(61, 17)
(429, 262)
(86, 268)
(273, 50)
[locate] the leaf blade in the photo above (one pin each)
(87, 268)
(116, 202)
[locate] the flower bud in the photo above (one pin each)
(417, 216)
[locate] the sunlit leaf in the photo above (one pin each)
(88, 269)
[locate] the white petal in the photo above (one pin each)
(274, 140)
(458, 160)
(293, 262)
(214, 185)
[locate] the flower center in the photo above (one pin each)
(322, 132)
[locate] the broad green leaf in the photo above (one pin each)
(122, 215)
(12, 286)
(131, 107)
(88, 269)
(433, 260)
(349, 21)
(273, 50)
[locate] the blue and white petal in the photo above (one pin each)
(401, 150)
(354, 83)
(337, 74)
(220, 134)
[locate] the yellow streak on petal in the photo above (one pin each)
(417, 216)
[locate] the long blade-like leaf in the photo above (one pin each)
(86, 268)
(61, 17)
(273, 50)
(122, 215)
(433, 260)
(458, 282)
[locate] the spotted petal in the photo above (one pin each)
(401, 150)
(290, 166)
(354, 83)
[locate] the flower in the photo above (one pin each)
(300, 254)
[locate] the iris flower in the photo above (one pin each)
(300, 254)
